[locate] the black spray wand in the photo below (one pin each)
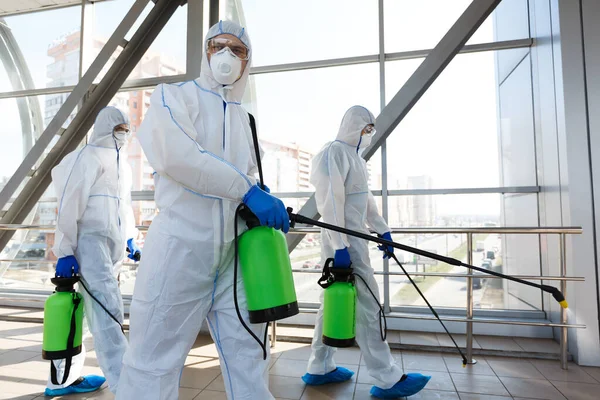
(297, 218)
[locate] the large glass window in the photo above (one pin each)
(473, 128)
(294, 31)
(46, 44)
(509, 254)
(167, 54)
(24, 120)
(420, 25)
(307, 106)
(450, 137)
(516, 128)
(299, 112)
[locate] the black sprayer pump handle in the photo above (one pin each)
(558, 296)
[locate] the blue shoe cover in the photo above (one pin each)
(412, 384)
(340, 374)
(90, 383)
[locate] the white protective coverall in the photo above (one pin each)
(197, 137)
(95, 220)
(340, 177)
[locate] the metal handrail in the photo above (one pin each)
(315, 271)
(450, 275)
(549, 230)
(476, 320)
(469, 231)
(17, 227)
(38, 261)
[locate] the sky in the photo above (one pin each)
(451, 134)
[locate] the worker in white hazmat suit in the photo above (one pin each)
(95, 225)
(197, 137)
(340, 177)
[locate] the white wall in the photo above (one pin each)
(578, 158)
(549, 97)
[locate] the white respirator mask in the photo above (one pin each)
(121, 136)
(365, 141)
(226, 67)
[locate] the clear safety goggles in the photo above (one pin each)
(216, 45)
(369, 130)
(121, 128)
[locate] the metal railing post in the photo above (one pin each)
(563, 311)
(470, 359)
(273, 333)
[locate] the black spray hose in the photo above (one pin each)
(297, 218)
(102, 305)
(392, 255)
(263, 345)
(382, 329)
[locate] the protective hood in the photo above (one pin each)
(354, 121)
(235, 91)
(107, 119)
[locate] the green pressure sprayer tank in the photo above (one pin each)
(339, 306)
(267, 274)
(63, 321)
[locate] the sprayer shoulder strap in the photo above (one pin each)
(254, 135)
(255, 139)
(253, 127)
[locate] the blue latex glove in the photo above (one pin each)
(342, 258)
(386, 249)
(269, 210)
(66, 267)
(134, 251)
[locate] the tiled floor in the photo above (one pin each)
(23, 373)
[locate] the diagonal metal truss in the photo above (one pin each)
(433, 65)
(101, 95)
